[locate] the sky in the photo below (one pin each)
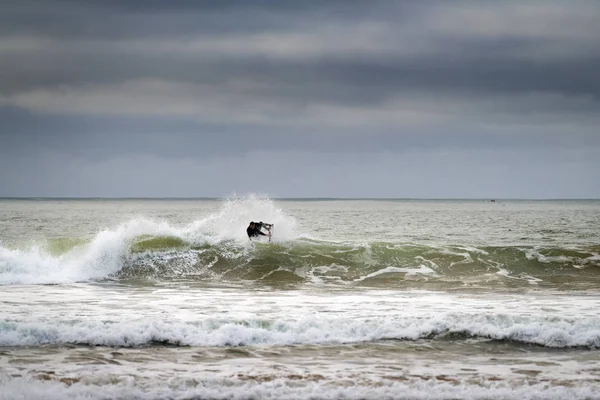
(340, 98)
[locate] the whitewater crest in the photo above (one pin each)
(544, 331)
(65, 260)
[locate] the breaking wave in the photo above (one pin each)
(215, 249)
(538, 330)
(131, 252)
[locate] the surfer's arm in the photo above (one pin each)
(255, 232)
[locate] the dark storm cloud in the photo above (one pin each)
(102, 80)
(120, 19)
(299, 52)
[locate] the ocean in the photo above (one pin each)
(352, 299)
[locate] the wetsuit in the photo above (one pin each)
(256, 231)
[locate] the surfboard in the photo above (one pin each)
(271, 232)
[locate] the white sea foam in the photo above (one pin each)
(421, 270)
(534, 254)
(550, 332)
(228, 387)
(100, 258)
(532, 280)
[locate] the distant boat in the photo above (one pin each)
(493, 201)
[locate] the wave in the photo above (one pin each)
(66, 260)
(131, 252)
(537, 330)
(215, 248)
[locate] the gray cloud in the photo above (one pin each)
(99, 81)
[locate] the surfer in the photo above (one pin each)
(255, 229)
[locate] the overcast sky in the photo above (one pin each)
(435, 99)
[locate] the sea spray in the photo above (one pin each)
(110, 250)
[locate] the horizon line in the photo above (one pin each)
(290, 198)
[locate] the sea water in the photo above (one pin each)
(353, 299)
